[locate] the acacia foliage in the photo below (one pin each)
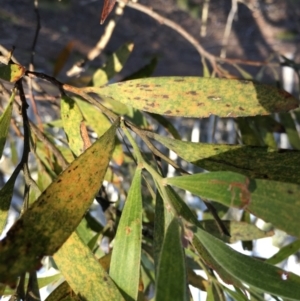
(156, 240)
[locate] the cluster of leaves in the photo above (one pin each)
(156, 241)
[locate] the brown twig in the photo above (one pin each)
(194, 42)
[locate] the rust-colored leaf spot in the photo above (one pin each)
(107, 8)
(192, 93)
(127, 230)
(244, 193)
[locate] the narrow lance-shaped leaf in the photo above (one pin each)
(6, 191)
(107, 8)
(72, 118)
(284, 252)
(171, 277)
(114, 65)
(84, 273)
(6, 194)
(199, 97)
(46, 225)
(5, 122)
(94, 118)
(262, 276)
(163, 217)
(255, 196)
(252, 161)
(126, 255)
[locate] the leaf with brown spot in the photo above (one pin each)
(180, 96)
(255, 196)
(47, 224)
(11, 72)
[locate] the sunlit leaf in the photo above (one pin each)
(62, 205)
(94, 118)
(84, 274)
(171, 276)
(71, 117)
(11, 72)
(252, 161)
(199, 97)
(5, 122)
(126, 253)
(114, 65)
(255, 196)
(264, 277)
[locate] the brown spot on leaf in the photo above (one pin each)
(178, 80)
(192, 93)
(241, 109)
(227, 105)
(127, 230)
(165, 96)
(168, 112)
(60, 180)
(290, 192)
(199, 104)
(137, 98)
